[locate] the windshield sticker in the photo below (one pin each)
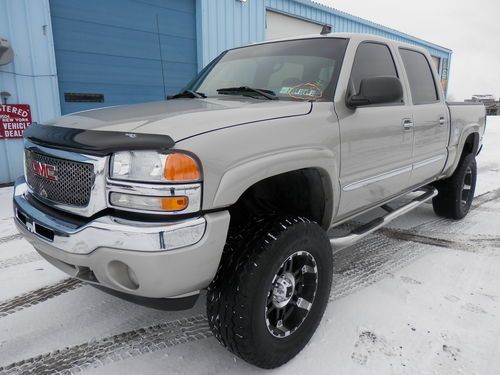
(285, 90)
(304, 91)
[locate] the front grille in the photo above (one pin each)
(71, 183)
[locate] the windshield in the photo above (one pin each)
(305, 69)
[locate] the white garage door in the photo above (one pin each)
(281, 26)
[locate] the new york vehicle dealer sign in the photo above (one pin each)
(14, 119)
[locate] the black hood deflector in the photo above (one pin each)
(95, 142)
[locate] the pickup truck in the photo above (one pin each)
(231, 185)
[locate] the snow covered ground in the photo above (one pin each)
(419, 297)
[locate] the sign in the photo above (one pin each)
(14, 119)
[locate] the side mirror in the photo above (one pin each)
(377, 90)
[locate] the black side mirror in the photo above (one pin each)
(377, 90)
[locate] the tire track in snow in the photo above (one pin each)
(10, 238)
(471, 245)
(431, 232)
(485, 198)
(114, 348)
(374, 259)
(441, 222)
(370, 261)
(390, 249)
(20, 259)
(37, 296)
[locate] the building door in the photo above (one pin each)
(122, 51)
(281, 26)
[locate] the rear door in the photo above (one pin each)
(376, 140)
(430, 117)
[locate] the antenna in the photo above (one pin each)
(327, 29)
(161, 56)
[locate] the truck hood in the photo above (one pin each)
(181, 118)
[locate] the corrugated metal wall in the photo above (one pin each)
(343, 22)
(220, 24)
(225, 24)
(32, 77)
(128, 51)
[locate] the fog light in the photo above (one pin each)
(133, 277)
(122, 275)
(146, 203)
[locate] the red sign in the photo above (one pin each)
(14, 119)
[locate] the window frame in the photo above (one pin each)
(396, 67)
(438, 94)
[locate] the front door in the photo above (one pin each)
(376, 141)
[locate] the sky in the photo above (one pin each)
(470, 28)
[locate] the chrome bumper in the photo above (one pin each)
(169, 260)
(106, 231)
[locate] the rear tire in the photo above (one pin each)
(457, 192)
(271, 289)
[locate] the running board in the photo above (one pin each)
(368, 228)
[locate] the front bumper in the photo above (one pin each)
(155, 260)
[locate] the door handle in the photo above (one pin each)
(442, 120)
(407, 124)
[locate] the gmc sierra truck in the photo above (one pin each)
(231, 185)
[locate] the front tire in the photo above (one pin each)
(457, 192)
(271, 289)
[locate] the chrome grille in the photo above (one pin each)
(73, 185)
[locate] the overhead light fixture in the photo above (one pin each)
(327, 29)
(6, 52)
(5, 95)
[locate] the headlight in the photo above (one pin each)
(148, 181)
(150, 166)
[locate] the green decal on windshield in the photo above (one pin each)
(285, 90)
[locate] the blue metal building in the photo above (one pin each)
(72, 55)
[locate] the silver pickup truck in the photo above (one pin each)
(232, 184)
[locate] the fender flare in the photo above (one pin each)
(456, 150)
(242, 176)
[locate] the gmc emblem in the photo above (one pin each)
(44, 170)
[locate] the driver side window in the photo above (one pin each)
(372, 60)
(286, 74)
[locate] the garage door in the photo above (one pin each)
(281, 26)
(122, 51)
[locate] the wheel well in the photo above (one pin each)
(471, 145)
(304, 192)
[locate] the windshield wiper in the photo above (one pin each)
(245, 89)
(188, 94)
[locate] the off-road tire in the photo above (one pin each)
(239, 293)
(449, 203)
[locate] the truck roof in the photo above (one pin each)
(352, 36)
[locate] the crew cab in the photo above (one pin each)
(231, 185)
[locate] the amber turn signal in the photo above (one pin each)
(181, 167)
(174, 203)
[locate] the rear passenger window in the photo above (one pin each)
(372, 60)
(422, 84)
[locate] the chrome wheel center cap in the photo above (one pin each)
(283, 290)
